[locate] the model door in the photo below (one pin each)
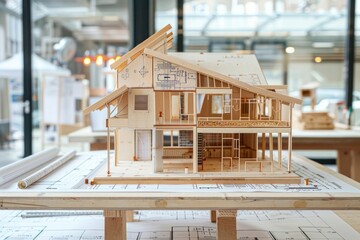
(143, 145)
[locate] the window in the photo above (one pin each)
(176, 138)
(216, 104)
(167, 139)
(141, 102)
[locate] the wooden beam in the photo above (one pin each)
(140, 47)
(99, 105)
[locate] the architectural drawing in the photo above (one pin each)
(181, 225)
(185, 117)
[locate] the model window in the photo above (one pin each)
(176, 138)
(167, 138)
(216, 104)
(141, 102)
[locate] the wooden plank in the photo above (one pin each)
(226, 178)
(115, 225)
(82, 200)
(226, 225)
(224, 78)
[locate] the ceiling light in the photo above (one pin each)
(290, 50)
(318, 59)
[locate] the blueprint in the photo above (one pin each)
(180, 225)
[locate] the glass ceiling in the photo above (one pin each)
(296, 24)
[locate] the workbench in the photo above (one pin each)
(345, 142)
(226, 202)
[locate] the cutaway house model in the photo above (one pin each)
(197, 112)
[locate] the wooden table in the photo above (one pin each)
(97, 140)
(115, 204)
(345, 142)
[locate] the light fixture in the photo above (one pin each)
(117, 57)
(290, 50)
(99, 60)
(318, 59)
(87, 59)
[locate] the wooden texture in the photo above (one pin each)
(350, 217)
(226, 225)
(133, 52)
(219, 76)
(239, 178)
(99, 105)
(213, 216)
(115, 225)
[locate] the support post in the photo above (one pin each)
(271, 148)
(180, 23)
(115, 225)
(263, 146)
(226, 225)
(108, 139)
(350, 54)
(27, 76)
(279, 142)
(195, 146)
(141, 20)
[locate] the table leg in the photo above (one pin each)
(226, 224)
(115, 224)
(343, 162)
(129, 216)
(355, 165)
(213, 216)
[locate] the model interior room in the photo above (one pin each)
(179, 119)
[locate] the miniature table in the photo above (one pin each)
(226, 203)
(346, 142)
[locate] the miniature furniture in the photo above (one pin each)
(181, 115)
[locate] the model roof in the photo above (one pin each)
(138, 50)
(108, 99)
(222, 77)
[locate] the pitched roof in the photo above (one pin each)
(136, 51)
(224, 78)
(99, 105)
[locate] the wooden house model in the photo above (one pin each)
(196, 112)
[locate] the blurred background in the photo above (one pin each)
(73, 42)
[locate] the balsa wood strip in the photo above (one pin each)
(267, 179)
(140, 47)
(105, 100)
(224, 78)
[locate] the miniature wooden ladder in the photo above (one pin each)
(222, 152)
(200, 150)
